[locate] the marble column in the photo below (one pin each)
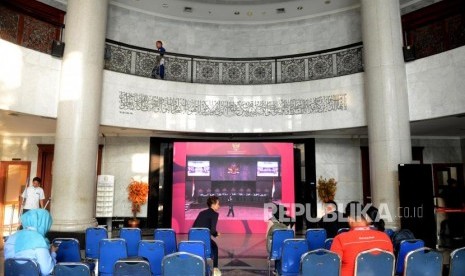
(386, 101)
(76, 145)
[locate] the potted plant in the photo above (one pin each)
(326, 189)
(137, 194)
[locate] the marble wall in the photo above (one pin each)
(341, 159)
(29, 80)
(440, 150)
(235, 40)
(126, 158)
(435, 85)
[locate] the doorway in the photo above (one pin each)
(14, 176)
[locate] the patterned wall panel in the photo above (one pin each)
(207, 72)
(120, 60)
(260, 72)
(233, 73)
(38, 35)
(349, 62)
(293, 70)
(320, 67)
(177, 69)
(129, 102)
(8, 25)
(144, 64)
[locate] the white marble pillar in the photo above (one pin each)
(75, 158)
(386, 101)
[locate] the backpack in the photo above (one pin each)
(401, 235)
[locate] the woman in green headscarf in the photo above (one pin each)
(31, 243)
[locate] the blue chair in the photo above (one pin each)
(20, 266)
(315, 238)
(168, 236)
(342, 230)
(132, 267)
(183, 264)
(320, 262)
(389, 232)
(424, 262)
(197, 248)
(292, 252)
(69, 250)
(277, 239)
(93, 236)
(201, 234)
(405, 247)
(71, 269)
(457, 262)
(328, 243)
(132, 236)
(153, 251)
(110, 251)
(374, 262)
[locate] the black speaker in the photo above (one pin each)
(417, 202)
(58, 48)
(409, 53)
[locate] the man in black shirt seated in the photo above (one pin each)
(208, 218)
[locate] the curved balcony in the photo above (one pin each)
(335, 62)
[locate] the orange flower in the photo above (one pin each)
(137, 194)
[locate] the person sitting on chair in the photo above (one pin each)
(208, 218)
(30, 243)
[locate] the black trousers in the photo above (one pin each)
(231, 211)
(214, 247)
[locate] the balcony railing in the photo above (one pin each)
(129, 59)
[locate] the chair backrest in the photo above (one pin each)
(320, 262)
(21, 267)
(424, 262)
(68, 250)
(315, 238)
(328, 243)
(405, 247)
(93, 236)
(457, 262)
(71, 269)
(194, 247)
(132, 236)
(277, 239)
(168, 236)
(292, 252)
(375, 262)
(201, 234)
(342, 230)
(132, 267)
(110, 251)
(182, 263)
(153, 251)
(389, 232)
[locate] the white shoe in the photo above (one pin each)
(216, 272)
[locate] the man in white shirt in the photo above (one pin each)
(33, 196)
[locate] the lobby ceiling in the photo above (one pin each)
(242, 11)
(18, 124)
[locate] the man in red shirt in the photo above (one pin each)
(360, 238)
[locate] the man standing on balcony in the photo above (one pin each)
(159, 69)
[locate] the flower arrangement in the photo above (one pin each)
(326, 189)
(137, 194)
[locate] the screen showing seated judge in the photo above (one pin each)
(245, 176)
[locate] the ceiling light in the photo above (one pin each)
(249, 13)
(280, 10)
(188, 9)
(300, 8)
(237, 13)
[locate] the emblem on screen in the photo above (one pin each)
(236, 146)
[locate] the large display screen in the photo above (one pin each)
(244, 176)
